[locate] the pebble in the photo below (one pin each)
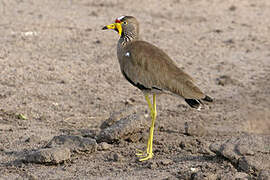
(103, 146)
(48, 156)
(118, 157)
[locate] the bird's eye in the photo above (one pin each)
(125, 22)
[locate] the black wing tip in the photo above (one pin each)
(208, 99)
(194, 103)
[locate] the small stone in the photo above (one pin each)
(48, 156)
(97, 42)
(193, 169)
(62, 81)
(218, 31)
(232, 8)
(88, 29)
(118, 157)
(229, 41)
(152, 165)
(103, 146)
(215, 147)
(166, 161)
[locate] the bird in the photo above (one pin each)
(151, 70)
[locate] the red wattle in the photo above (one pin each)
(117, 21)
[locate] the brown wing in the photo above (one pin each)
(149, 67)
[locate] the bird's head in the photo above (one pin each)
(125, 25)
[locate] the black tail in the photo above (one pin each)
(196, 103)
(208, 99)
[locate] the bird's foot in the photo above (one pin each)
(143, 156)
(146, 157)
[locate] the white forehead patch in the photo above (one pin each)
(120, 18)
(127, 54)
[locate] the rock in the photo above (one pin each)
(104, 146)
(118, 157)
(250, 153)
(116, 116)
(218, 31)
(129, 128)
(152, 165)
(229, 41)
(74, 143)
(195, 129)
(232, 8)
(49, 156)
(166, 162)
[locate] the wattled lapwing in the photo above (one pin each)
(151, 70)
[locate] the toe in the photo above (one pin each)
(149, 156)
(140, 152)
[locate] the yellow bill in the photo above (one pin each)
(115, 26)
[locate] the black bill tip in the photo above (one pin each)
(104, 28)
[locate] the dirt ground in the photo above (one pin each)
(59, 75)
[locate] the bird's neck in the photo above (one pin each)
(127, 38)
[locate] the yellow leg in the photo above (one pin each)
(153, 111)
(140, 152)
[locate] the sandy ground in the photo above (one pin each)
(59, 70)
